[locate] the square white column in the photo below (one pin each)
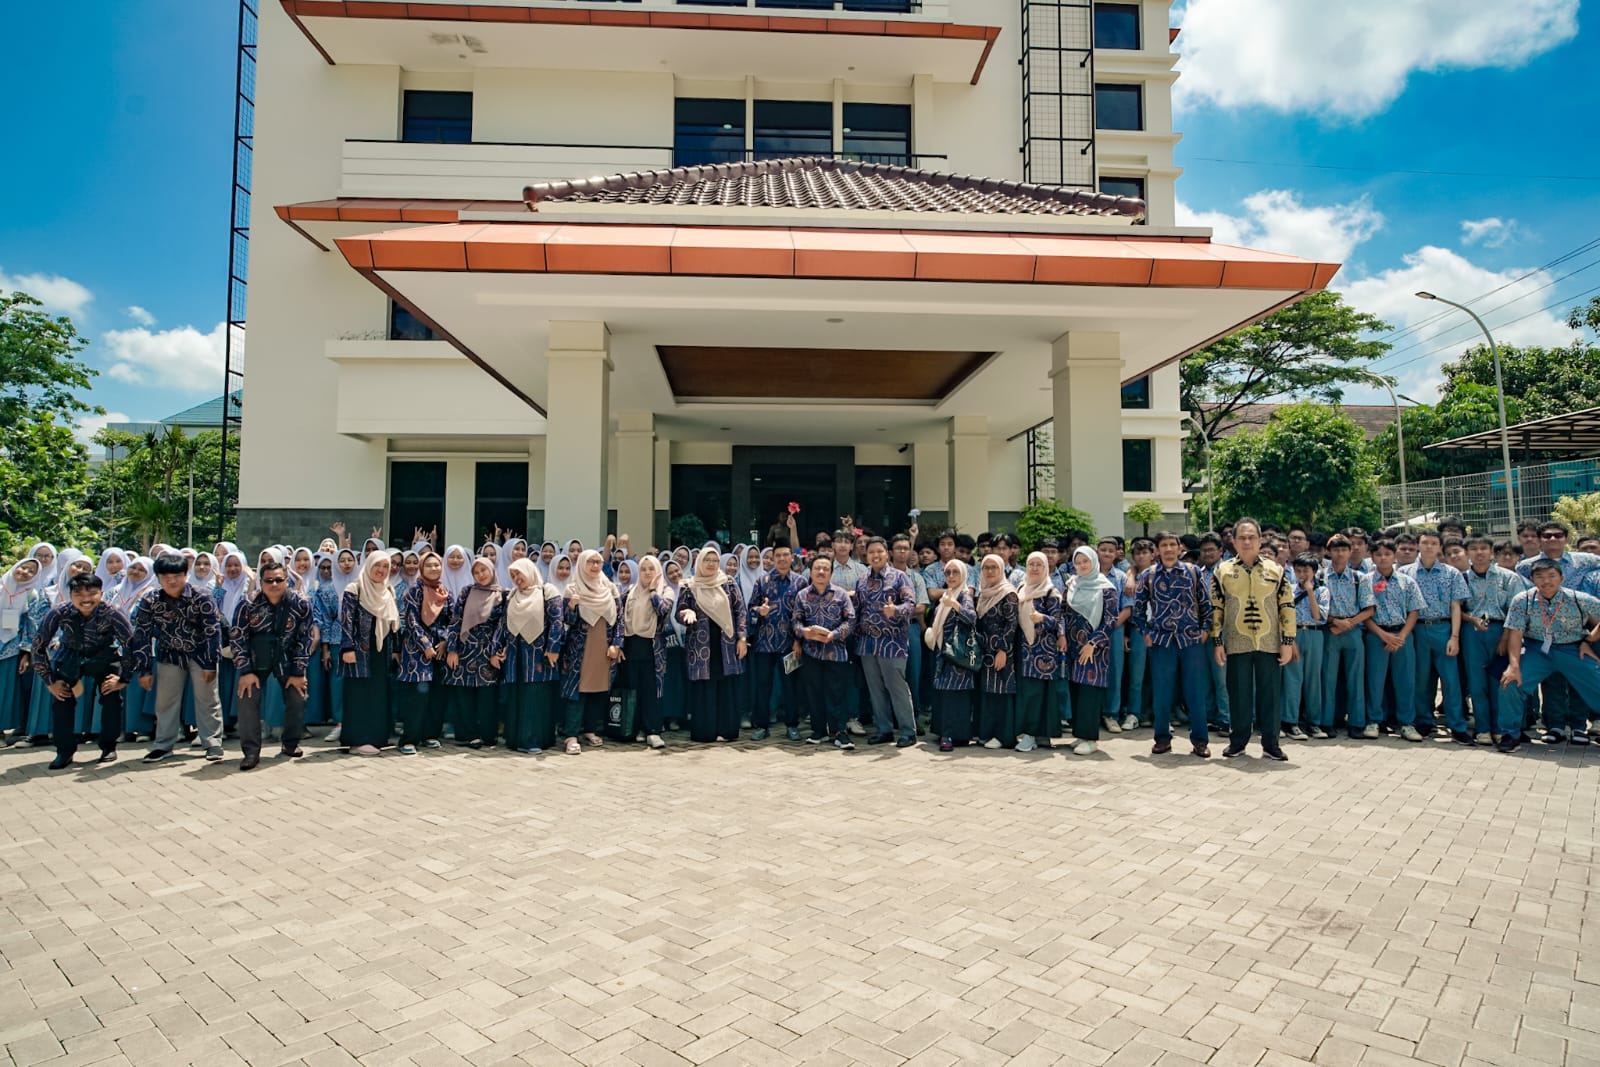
(1086, 375)
(969, 473)
(579, 415)
(635, 492)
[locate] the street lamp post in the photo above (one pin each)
(1400, 442)
(1500, 397)
(1211, 500)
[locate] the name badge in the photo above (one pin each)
(1545, 648)
(10, 619)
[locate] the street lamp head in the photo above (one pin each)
(1425, 295)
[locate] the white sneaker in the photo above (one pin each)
(1112, 725)
(1484, 739)
(1130, 722)
(1026, 743)
(654, 741)
(1371, 731)
(1085, 748)
(855, 727)
(333, 734)
(993, 742)
(1410, 733)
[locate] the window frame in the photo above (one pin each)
(406, 98)
(1120, 9)
(1148, 466)
(1136, 89)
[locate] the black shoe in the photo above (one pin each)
(1294, 733)
(1230, 752)
(880, 739)
(292, 753)
(816, 739)
(250, 762)
(60, 763)
(843, 743)
(905, 742)
(1275, 753)
(946, 745)
(156, 755)
(1579, 737)
(1461, 739)
(1508, 743)
(475, 743)
(108, 756)
(1355, 735)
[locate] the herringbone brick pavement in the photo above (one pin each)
(1369, 903)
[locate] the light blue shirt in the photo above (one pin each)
(1440, 585)
(1394, 597)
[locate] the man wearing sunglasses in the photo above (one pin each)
(271, 640)
(1564, 714)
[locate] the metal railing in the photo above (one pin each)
(1480, 499)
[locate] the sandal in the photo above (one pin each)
(594, 740)
(573, 748)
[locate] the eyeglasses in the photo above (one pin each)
(273, 581)
(1552, 537)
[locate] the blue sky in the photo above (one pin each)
(1425, 143)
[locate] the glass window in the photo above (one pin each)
(404, 326)
(435, 117)
(500, 499)
(787, 128)
(1116, 26)
(708, 131)
(878, 133)
(1118, 107)
(416, 497)
(1133, 187)
(1138, 473)
(883, 499)
(1137, 394)
(705, 490)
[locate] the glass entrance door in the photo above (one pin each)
(814, 486)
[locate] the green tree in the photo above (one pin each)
(688, 530)
(1050, 518)
(1309, 464)
(1467, 408)
(44, 474)
(143, 493)
(1542, 381)
(1586, 315)
(1581, 513)
(1144, 513)
(40, 371)
(1310, 350)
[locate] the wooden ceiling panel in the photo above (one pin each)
(703, 372)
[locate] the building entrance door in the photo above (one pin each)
(814, 486)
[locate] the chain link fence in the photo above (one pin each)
(1480, 499)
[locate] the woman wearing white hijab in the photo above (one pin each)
(45, 554)
(1039, 634)
(953, 683)
(535, 627)
(514, 549)
(325, 687)
(235, 588)
(590, 650)
(475, 650)
(457, 570)
(713, 614)
(547, 559)
(675, 687)
(1092, 603)
(18, 591)
(997, 634)
(369, 622)
(645, 609)
(138, 705)
(426, 618)
(113, 564)
(561, 575)
(69, 564)
(203, 573)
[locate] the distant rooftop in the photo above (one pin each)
(1373, 419)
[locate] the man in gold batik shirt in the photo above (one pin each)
(1252, 631)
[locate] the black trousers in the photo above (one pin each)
(825, 685)
(475, 711)
(1255, 695)
(586, 715)
(764, 666)
(249, 711)
(639, 672)
(422, 711)
(64, 716)
(952, 714)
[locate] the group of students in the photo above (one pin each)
(1252, 630)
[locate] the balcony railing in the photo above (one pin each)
(690, 157)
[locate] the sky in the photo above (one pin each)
(1425, 144)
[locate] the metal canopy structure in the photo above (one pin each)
(1576, 432)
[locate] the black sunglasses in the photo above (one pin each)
(273, 581)
(1552, 537)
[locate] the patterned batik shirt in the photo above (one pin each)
(1252, 609)
(185, 628)
(1562, 620)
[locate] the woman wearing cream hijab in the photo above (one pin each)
(997, 632)
(646, 607)
(369, 624)
(535, 626)
(713, 614)
(590, 652)
(1038, 636)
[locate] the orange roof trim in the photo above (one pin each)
(877, 255)
(374, 9)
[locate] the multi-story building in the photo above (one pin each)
(571, 265)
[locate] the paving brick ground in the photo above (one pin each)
(1369, 903)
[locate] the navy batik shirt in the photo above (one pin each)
(186, 629)
(255, 616)
(106, 633)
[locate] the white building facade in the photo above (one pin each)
(571, 266)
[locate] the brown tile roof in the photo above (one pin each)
(832, 184)
(1373, 419)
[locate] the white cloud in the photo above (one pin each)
(1490, 232)
(181, 358)
(89, 425)
(59, 295)
(1352, 58)
(140, 315)
(1276, 220)
(1418, 353)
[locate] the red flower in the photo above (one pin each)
(794, 508)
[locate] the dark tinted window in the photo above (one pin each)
(787, 128)
(878, 133)
(1116, 26)
(705, 490)
(1138, 474)
(1136, 394)
(404, 326)
(708, 131)
(416, 497)
(1133, 187)
(1118, 107)
(437, 117)
(501, 499)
